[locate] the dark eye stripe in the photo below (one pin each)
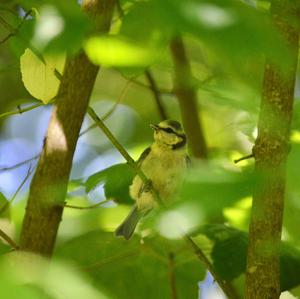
(170, 130)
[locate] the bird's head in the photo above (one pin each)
(169, 133)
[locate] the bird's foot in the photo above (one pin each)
(147, 186)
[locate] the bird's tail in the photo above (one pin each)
(126, 229)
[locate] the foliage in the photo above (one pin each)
(226, 42)
(126, 262)
(117, 179)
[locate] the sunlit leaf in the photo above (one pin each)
(40, 77)
(114, 51)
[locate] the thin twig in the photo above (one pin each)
(20, 111)
(9, 202)
(156, 94)
(228, 291)
(160, 90)
(243, 158)
(112, 109)
(88, 207)
(6, 38)
(9, 240)
(20, 163)
(172, 277)
(105, 116)
(13, 31)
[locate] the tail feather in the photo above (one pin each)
(126, 229)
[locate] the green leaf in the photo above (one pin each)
(29, 276)
(116, 179)
(39, 77)
(118, 265)
(119, 52)
(19, 43)
(60, 26)
(3, 205)
(228, 251)
(213, 188)
(238, 29)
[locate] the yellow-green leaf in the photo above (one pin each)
(113, 51)
(39, 77)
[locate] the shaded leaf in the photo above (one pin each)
(125, 262)
(212, 188)
(116, 180)
(228, 251)
(3, 205)
(60, 26)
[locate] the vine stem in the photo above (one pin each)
(228, 291)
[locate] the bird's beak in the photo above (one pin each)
(154, 127)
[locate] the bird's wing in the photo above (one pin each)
(143, 156)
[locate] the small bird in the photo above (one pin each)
(163, 163)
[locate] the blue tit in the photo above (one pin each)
(163, 163)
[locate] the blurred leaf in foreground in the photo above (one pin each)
(29, 276)
(118, 265)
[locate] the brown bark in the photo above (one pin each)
(187, 98)
(49, 185)
(270, 152)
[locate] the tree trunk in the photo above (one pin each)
(49, 184)
(270, 152)
(187, 98)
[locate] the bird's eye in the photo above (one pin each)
(169, 130)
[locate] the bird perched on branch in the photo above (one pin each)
(163, 163)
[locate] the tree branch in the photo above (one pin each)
(187, 98)
(270, 152)
(243, 158)
(21, 110)
(88, 207)
(172, 277)
(49, 184)
(158, 100)
(9, 240)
